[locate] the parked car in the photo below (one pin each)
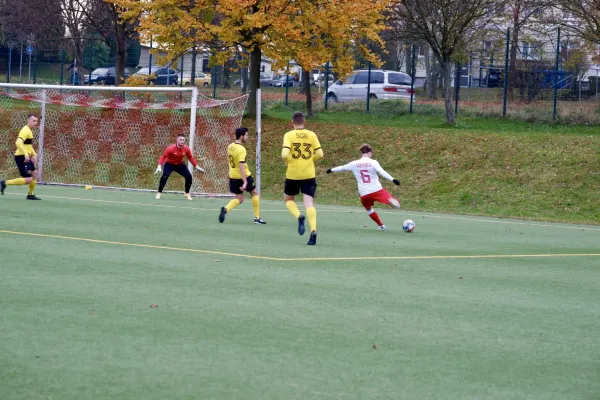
(201, 79)
(103, 76)
(266, 79)
(283, 81)
(384, 85)
(319, 80)
(160, 75)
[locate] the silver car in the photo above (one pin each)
(385, 85)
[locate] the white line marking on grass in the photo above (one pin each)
(221, 253)
(337, 209)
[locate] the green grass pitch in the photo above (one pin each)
(463, 308)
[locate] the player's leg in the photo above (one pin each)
(309, 189)
(251, 188)
(182, 170)
(234, 187)
(291, 188)
(167, 169)
(34, 174)
(368, 202)
(384, 197)
(25, 170)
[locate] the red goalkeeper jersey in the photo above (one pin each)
(174, 155)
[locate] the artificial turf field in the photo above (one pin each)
(463, 308)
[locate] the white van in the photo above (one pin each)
(384, 85)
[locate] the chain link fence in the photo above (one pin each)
(553, 81)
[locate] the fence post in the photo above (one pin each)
(327, 83)
(287, 83)
(181, 72)
(90, 66)
(34, 67)
(556, 74)
(150, 58)
(457, 87)
(214, 76)
(369, 88)
(412, 80)
(506, 67)
(62, 66)
(9, 63)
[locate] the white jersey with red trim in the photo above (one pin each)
(365, 171)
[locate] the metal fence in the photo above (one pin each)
(537, 86)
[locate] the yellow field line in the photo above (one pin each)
(299, 258)
(149, 246)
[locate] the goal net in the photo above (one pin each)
(113, 136)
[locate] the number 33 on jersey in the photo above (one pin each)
(302, 144)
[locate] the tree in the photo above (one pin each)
(114, 24)
(582, 18)
(449, 27)
(323, 31)
(310, 31)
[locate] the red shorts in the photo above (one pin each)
(381, 196)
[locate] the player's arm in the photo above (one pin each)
(287, 145)
(20, 143)
(318, 149)
(347, 167)
(161, 160)
(190, 157)
(384, 173)
(242, 167)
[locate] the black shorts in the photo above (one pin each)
(236, 184)
(307, 186)
(25, 168)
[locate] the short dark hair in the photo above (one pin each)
(365, 148)
(239, 132)
(181, 135)
(31, 115)
(298, 118)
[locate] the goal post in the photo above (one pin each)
(113, 136)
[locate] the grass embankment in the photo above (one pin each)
(480, 166)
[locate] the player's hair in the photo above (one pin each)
(181, 135)
(30, 115)
(365, 148)
(239, 132)
(298, 118)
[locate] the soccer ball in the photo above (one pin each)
(408, 225)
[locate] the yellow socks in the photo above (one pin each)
(293, 208)
(232, 204)
(17, 182)
(311, 214)
(256, 206)
(31, 187)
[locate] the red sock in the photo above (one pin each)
(375, 218)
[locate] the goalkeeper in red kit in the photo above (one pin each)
(172, 159)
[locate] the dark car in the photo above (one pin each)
(103, 76)
(165, 76)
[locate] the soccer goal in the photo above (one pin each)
(112, 137)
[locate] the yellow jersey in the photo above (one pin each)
(302, 144)
(237, 154)
(27, 137)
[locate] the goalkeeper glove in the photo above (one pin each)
(199, 169)
(329, 171)
(158, 170)
(396, 182)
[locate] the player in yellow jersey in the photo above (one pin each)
(301, 148)
(240, 177)
(26, 160)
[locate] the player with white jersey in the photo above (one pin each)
(366, 172)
